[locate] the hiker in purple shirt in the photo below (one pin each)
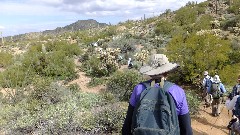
(158, 71)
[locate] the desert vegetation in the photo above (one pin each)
(36, 95)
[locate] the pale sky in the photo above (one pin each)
(23, 16)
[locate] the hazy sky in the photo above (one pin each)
(22, 16)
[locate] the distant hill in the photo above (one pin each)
(79, 25)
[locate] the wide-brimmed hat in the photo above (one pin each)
(158, 64)
(216, 79)
(205, 73)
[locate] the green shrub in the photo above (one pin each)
(229, 74)
(97, 81)
(5, 59)
(121, 83)
(230, 22)
(66, 48)
(234, 7)
(204, 23)
(55, 64)
(164, 27)
(110, 118)
(16, 76)
(193, 101)
(50, 108)
(185, 16)
(198, 53)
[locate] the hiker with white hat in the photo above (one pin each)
(158, 69)
(217, 91)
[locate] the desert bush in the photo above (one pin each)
(5, 59)
(185, 16)
(97, 81)
(16, 76)
(234, 7)
(204, 23)
(50, 108)
(121, 83)
(193, 101)
(164, 27)
(55, 64)
(68, 49)
(109, 118)
(198, 53)
(229, 74)
(230, 22)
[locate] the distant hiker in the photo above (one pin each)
(207, 83)
(130, 65)
(217, 90)
(157, 106)
(119, 60)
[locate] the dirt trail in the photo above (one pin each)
(206, 124)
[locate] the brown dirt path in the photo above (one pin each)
(206, 124)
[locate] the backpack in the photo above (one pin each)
(155, 112)
(215, 90)
(237, 108)
(208, 83)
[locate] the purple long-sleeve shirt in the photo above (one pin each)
(176, 92)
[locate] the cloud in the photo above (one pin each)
(2, 27)
(114, 7)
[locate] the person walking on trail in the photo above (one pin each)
(130, 63)
(207, 83)
(217, 91)
(140, 100)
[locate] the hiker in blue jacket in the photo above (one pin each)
(159, 68)
(207, 83)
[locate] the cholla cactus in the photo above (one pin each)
(109, 57)
(216, 24)
(215, 32)
(142, 56)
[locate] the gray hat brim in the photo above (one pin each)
(148, 70)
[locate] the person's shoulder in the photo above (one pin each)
(176, 89)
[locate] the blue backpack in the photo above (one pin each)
(208, 82)
(155, 112)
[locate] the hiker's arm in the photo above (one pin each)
(126, 129)
(223, 90)
(185, 124)
(231, 104)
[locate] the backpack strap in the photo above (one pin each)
(147, 84)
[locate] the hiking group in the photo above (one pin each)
(213, 92)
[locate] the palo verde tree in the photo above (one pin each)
(197, 53)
